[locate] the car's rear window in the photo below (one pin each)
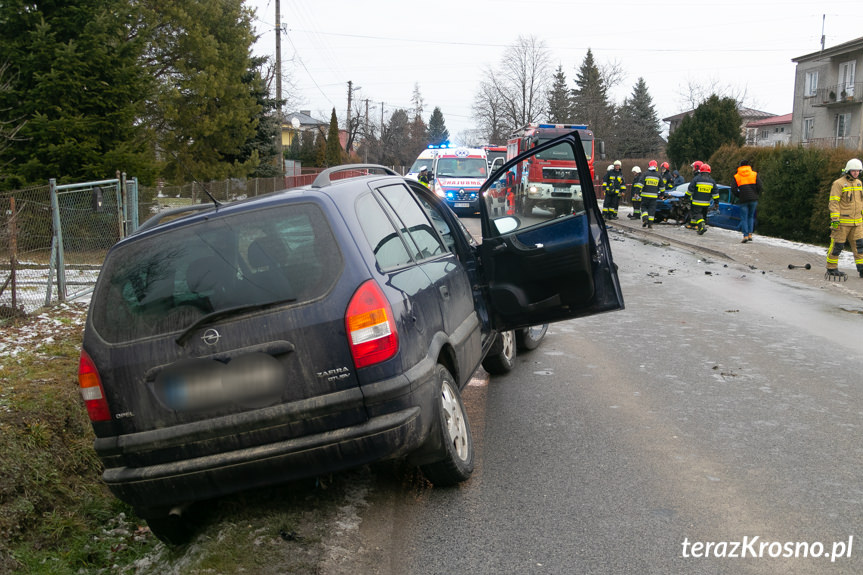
(165, 282)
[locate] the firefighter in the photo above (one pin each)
(702, 189)
(636, 193)
(423, 176)
(650, 188)
(614, 185)
(667, 179)
(696, 167)
(606, 201)
(846, 220)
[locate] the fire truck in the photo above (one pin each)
(548, 181)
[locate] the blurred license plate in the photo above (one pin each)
(461, 205)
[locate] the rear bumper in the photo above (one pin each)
(398, 424)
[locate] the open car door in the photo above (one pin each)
(545, 252)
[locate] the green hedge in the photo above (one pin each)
(797, 183)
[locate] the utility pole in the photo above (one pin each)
(279, 85)
(350, 93)
(365, 133)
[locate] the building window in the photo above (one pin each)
(811, 83)
(808, 129)
(843, 126)
(846, 78)
(765, 134)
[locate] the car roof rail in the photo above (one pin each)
(172, 214)
(325, 179)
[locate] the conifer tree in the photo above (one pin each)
(714, 122)
(333, 146)
(559, 100)
(438, 133)
(590, 103)
(638, 128)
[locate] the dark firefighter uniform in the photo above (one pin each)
(637, 184)
(702, 189)
(649, 191)
(614, 185)
(846, 218)
(667, 180)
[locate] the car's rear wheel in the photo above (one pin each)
(500, 358)
(530, 337)
(455, 438)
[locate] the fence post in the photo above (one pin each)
(58, 237)
(121, 209)
(133, 201)
(13, 248)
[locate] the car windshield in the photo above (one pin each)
(561, 154)
(152, 286)
(461, 168)
(415, 168)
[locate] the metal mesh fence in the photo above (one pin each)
(25, 249)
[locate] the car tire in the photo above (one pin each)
(500, 358)
(455, 438)
(529, 338)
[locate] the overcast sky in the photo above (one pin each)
(386, 47)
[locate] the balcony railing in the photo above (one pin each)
(848, 142)
(839, 94)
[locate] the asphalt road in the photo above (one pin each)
(724, 406)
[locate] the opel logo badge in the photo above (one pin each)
(211, 337)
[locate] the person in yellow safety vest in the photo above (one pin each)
(649, 191)
(614, 185)
(636, 193)
(423, 176)
(606, 201)
(667, 178)
(702, 189)
(846, 220)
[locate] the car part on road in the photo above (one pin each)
(529, 338)
(454, 436)
(501, 357)
(792, 266)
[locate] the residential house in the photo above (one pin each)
(828, 99)
(301, 121)
(746, 115)
(773, 131)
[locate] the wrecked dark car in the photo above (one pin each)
(674, 205)
(317, 329)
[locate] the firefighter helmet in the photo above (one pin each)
(610, 167)
(853, 164)
(616, 162)
(665, 165)
(636, 170)
(704, 169)
(696, 165)
(651, 165)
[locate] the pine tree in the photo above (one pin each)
(714, 122)
(307, 147)
(333, 146)
(76, 84)
(590, 102)
(438, 134)
(396, 140)
(559, 100)
(638, 129)
(204, 111)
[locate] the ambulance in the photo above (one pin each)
(458, 175)
(426, 158)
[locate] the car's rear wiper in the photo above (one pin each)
(229, 311)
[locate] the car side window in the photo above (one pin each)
(439, 222)
(387, 245)
(415, 223)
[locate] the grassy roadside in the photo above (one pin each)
(56, 517)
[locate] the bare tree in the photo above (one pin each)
(487, 111)
(515, 92)
(8, 128)
(694, 94)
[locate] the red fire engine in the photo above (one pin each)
(548, 181)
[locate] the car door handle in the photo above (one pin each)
(444, 291)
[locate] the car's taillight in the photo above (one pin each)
(371, 329)
(91, 389)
